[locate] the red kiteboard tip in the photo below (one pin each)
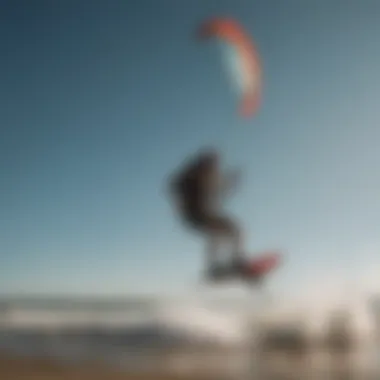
(263, 264)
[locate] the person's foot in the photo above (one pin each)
(217, 272)
(238, 265)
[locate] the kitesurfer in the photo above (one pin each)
(198, 189)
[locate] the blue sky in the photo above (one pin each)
(102, 100)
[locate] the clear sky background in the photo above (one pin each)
(101, 100)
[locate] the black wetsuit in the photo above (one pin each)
(193, 194)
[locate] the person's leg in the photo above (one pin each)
(214, 236)
(213, 247)
(219, 229)
(203, 224)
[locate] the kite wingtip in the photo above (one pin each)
(249, 106)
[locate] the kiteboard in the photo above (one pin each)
(252, 269)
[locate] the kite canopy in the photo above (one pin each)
(242, 59)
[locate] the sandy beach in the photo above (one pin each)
(20, 368)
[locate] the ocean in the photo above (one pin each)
(148, 336)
